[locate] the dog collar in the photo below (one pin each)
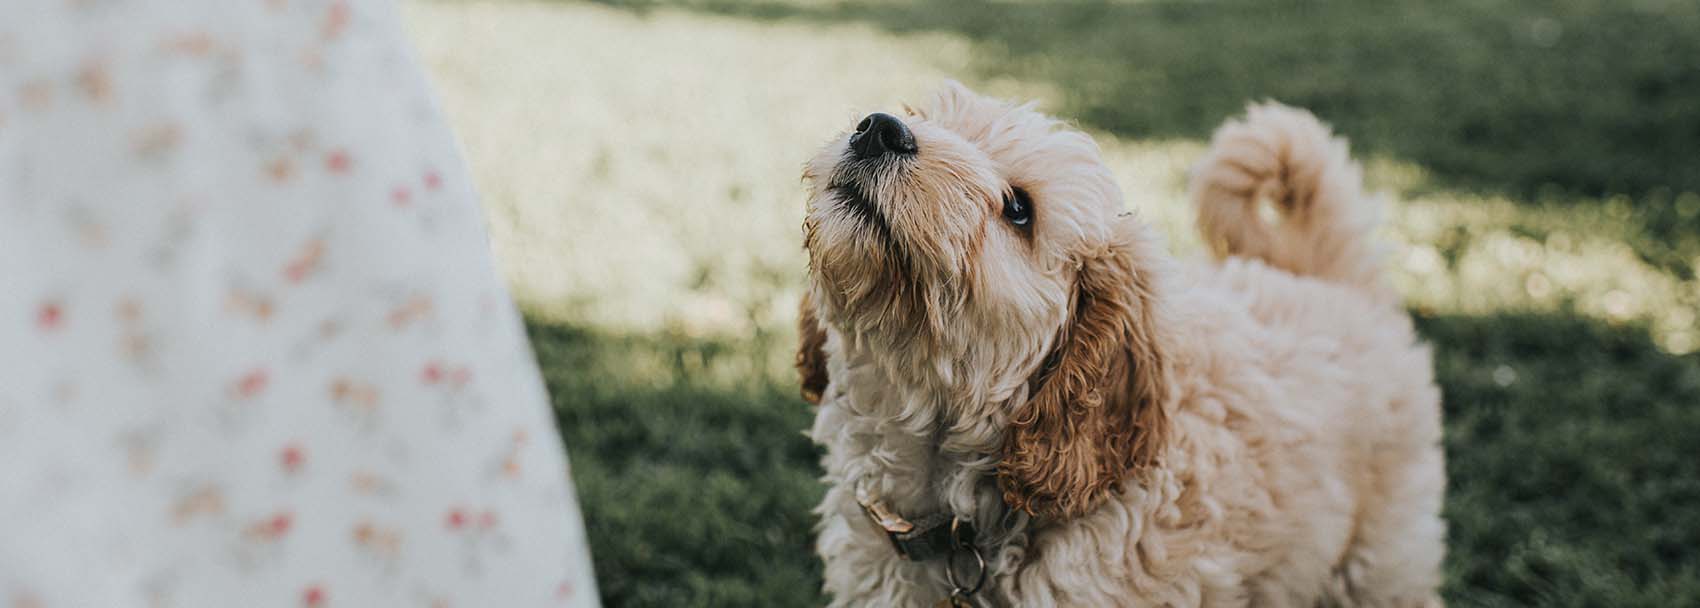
(934, 536)
(931, 537)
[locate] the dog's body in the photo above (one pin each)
(1123, 431)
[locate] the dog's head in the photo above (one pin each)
(985, 246)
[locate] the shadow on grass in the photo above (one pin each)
(1542, 98)
(1570, 448)
(1571, 456)
(696, 490)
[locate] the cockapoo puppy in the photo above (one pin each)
(1026, 401)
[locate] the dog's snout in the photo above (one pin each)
(880, 134)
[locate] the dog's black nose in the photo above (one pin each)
(880, 134)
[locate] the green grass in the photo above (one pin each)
(640, 169)
(697, 483)
(1570, 449)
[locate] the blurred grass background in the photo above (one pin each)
(640, 163)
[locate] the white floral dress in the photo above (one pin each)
(253, 349)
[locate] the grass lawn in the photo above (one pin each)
(640, 168)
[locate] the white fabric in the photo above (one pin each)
(253, 350)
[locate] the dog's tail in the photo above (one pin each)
(1279, 187)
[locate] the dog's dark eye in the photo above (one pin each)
(1017, 208)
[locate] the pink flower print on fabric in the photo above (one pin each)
(252, 343)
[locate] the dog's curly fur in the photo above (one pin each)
(1123, 428)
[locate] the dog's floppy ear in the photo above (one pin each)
(811, 351)
(1096, 414)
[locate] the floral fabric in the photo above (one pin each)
(253, 349)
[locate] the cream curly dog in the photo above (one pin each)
(1017, 380)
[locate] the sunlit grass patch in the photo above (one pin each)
(643, 171)
(1481, 255)
(1456, 252)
